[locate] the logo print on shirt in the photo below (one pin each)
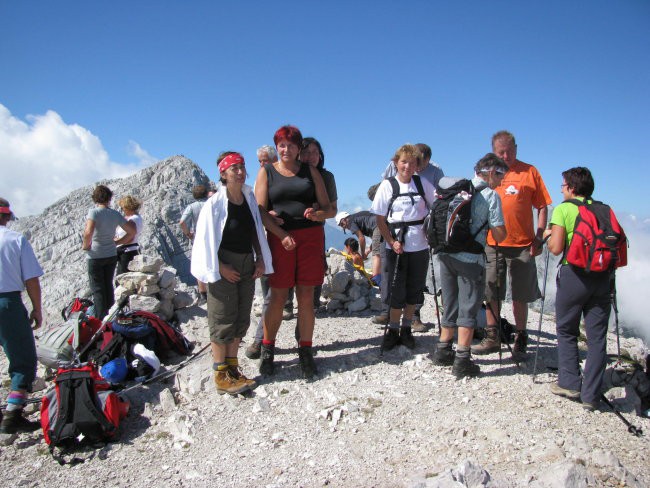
(511, 190)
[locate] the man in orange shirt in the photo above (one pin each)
(521, 191)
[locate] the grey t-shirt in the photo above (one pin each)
(191, 213)
(106, 221)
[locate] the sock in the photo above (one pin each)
(268, 343)
(462, 351)
(220, 366)
(393, 325)
(305, 343)
(15, 401)
(406, 322)
(232, 362)
(444, 345)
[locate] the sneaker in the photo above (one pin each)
(267, 353)
(380, 319)
(464, 367)
(236, 372)
(226, 382)
(307, 363)
(406, 337)
(391, 339)
(564, 392)
(13, 422)
(417, 325)
(443, 356)
(520, 346)
(490, 343)
(254, 350)
(287, 314)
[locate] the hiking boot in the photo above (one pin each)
(226, 382)
(490, 343)
(254, 350)
(307, 363)
(443, 356)
(406, 337)
(236, 372)
(380, 319)
(391, 339)
(520, 345)
(464, 367)
(267, 353)
(417, 325)
(13, 422)
(590, 407)
(564, 392)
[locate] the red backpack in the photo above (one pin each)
(599, 243)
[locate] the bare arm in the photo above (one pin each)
(325, 210)
(557, 238)
(542, 219)
(262, 190)
(89, 230)
(130, 229)
(499, 233)
(186, 231)
(394, 244)
(33, 287)
(362, 244)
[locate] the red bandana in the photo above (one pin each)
(228, 161)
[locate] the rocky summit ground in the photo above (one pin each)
(399, 421)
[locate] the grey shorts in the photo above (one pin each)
(376, 242)
(229, 304)
(462, 291)
(522, 272)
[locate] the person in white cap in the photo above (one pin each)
(363, 224)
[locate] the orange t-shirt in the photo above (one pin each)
(521, 190)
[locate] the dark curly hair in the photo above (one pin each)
(102, 195)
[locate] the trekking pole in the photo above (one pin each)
(541, 309)
(612, 294)
(632, 429)
(122, 303)
(435, 289)
(399, 235)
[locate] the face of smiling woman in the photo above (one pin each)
(287, 151)
(406, 166)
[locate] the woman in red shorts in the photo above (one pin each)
(289, 189)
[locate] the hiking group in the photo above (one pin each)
(478, 229)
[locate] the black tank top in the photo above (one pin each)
(238, 230)
(290, 196)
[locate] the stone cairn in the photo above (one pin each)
(346, 289)
(152, 287)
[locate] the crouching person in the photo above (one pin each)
(19, 270)
(400, 214)
(463, 273)
(229, 253)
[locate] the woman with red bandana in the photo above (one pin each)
(289, 189)
(229, 253)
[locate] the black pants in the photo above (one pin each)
(123, 260)
(410, 280)
(100, 275)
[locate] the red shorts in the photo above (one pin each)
(304, 265)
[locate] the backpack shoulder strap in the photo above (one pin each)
(395, 187)
(418, 184)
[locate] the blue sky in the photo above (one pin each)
(98, 89)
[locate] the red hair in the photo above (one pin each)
(288, 133)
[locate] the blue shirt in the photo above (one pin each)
(17, 261)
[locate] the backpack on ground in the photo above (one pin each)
(80, 409)
(56, 344)
(400, 227)
(448, 225)
(77, 305)
(168, 338)
(599, 243)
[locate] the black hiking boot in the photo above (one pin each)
(406, 337)
(443, 356)
(13, 422)
(254, 351)
(520, 346)
(307, 363)
(464, 367)
(391, 339)
(267, 353)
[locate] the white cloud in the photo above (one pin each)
(143, 156)
(43, 159)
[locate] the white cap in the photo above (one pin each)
(340, 216)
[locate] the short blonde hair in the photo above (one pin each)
(408, 150)
(130, 203)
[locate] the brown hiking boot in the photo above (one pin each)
(237, 373)
(226, 382)
(520, 345)
(490, 343)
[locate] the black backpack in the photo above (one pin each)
(447, 226)
(401, 226)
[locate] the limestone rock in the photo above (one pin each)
(146, 264)
(182, 300)
(148, 304)
(357, 305)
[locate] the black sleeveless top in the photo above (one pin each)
(238, 230)
(290, 196)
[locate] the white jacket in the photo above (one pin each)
(209, 230)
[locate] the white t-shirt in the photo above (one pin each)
(135, 218)
(405, 210)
